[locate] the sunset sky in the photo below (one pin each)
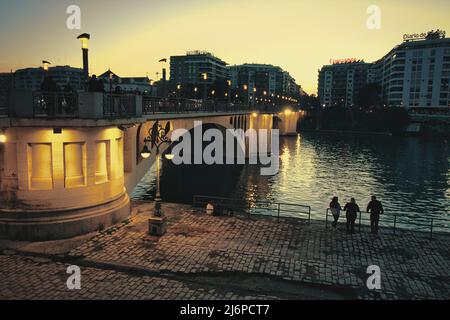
(131, 36)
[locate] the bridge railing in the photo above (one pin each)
(98, 105)
(119, 105)
(55, 104)
(395, 222)
(153, 105)
(263, 208)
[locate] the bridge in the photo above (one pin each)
(69, 161)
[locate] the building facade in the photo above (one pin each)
(127, 84)
(340, 82)
(263, 80)
(191, 68)
(32, 78)
(414, 74)
(6, 85)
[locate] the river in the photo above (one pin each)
(410, 175)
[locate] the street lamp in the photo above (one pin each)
(164, 77)
(205, 78)
(157, 136)
(45, 65)
(228, 94)
(3, 138)
(85, 37)
(245, 87)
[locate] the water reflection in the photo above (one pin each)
(409, 175)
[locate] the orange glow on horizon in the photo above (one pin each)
(300, 36)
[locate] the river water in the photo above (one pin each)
(410, 175)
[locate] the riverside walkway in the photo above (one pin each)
(207, 257)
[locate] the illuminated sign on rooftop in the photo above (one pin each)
(343, 61)
(431, 35)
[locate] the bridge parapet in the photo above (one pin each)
(98, 105)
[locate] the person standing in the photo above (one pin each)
(351, 211)
(335, 209)
(375, 208)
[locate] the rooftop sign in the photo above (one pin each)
(342, 61)
(431, 35)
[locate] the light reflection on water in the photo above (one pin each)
(409, 175)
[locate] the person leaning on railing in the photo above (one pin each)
(375, 208)
(335, 209)
(351, 211)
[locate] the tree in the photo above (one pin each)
(369, 96)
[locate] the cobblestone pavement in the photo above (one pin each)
(42, 279)
(247, 257)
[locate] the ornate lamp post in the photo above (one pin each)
(157, 136)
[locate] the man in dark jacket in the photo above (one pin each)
(351, 210)
(375, 208)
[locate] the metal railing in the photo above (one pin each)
(303, 212)
(55, 104)
(119, 105)
(66, 105)
(282, 209)
(396, 222)
(152, 105)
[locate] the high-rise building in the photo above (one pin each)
(340, 82)
(263, 79)
(31, 78)
(416, 73)
(191, 68)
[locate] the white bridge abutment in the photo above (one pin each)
(63, 178)
(59, 183)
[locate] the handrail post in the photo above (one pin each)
(326, 219)
(431, 229)
(395, 223)
(279, 208)
(360, 217)
(309, 215)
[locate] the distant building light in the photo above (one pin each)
(3, 137)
